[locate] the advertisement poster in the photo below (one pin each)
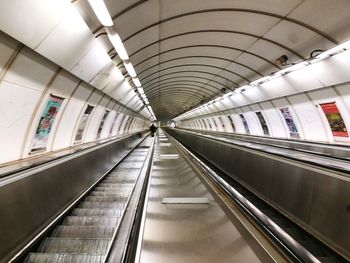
(215, 124)
(82, 124)
(232, 123)
(222, 123)
(45, 124)
(335, 119)
(114, 123)
(128, 125)
(204, 124)
(263, 123)
(246, 127)
(210, 128)
(121, 124)
(101, 124)
(293, 131)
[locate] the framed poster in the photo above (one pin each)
(293, 131)
(210, 128)
(263, 123)
(232, 123)
(215, 124)
(83, 122)
(130, 125)
(335, 120)
(121, 124)
(113, 124)
(47, 119)
(204, 124)
(245, 124)
(222, 122)
(101, 124)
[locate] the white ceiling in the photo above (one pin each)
(186, 52)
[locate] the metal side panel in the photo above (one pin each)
(29, 201)
(330, 211)
(318, 200)
(312, 146)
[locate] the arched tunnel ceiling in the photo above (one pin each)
(186, 52)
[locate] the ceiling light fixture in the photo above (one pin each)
(101, 12)
(136, 82)
(130, 69)
(118, 45)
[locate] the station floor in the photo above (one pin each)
(183, 220)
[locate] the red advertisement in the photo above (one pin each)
(335, 119)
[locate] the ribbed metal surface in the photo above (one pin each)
(64, 258)
(86, 234)
(66, 245)
(91, 221)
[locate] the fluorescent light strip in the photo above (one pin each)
(337, 49)
(130, 69)
(136, 82)
(119, 46)
(101, 12)
(333, 51)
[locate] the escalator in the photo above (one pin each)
(88, 232)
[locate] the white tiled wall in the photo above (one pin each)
(26, 81)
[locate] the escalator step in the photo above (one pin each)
(90, 221)
(137, 158)
(114, 188)
(123, 174)
(83, 231)
(113, 180)
(115, 205)
(129, 165)
(67, 245)
(107, 198)
(63, 258)
(114, 185)
(96, 212)
(121, 193)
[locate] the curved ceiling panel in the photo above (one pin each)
(186, 52)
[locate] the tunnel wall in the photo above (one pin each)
(305, 109)
(27, 82)
(314, 97)
(31, 199)
(315, 199)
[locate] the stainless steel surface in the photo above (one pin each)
(92, 234)
(327, 149)
(121, 245)
(317, 200)
(293, 153)
(296, 251)
(31, 200)
(35, 160)
(190, 232)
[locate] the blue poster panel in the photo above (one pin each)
(47, 119)
(293, 131)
